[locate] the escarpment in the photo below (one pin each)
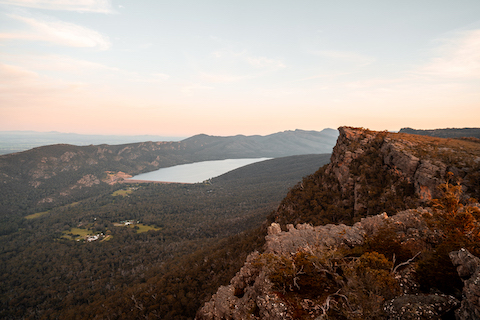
(372, 235)
(372, 172)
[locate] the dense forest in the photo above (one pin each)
(184, 241)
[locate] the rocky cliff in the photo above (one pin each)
(383, 266)
(372, 172)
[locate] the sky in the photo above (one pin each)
(179, 68)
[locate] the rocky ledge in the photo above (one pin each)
(254, 294)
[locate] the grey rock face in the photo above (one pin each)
(396, 156)
(419, 306)
(468, 268)
(249, 296)
(304, 236)
(427, 177)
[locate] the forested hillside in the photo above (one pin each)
(183, 242)
(445, 133)
(46, 177)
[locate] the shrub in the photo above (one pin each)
(458, 221)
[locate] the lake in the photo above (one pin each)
(195, 172)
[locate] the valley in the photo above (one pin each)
(109, 250)
(171, 223)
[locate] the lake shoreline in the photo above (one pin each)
(150, 181)
(196, 172)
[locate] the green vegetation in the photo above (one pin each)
(36, 215)
(75, 233)
(140, 228)
(122, 192)
(198, 237)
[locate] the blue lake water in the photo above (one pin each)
(195, 172)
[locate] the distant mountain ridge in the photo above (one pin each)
(281, 144)
(17, 141)
(445, 133)
(59, 173)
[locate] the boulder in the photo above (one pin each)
(468, 268)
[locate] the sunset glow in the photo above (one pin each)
(180, 68)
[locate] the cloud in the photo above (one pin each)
(23, 88)
(74, 70)
(58, 32)
(457, 57)
(10, 74)
(100, 6)
(57, 63)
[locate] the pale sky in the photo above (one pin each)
(179, 68)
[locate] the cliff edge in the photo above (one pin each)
(402, 211)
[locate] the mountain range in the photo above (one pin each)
(16, 141)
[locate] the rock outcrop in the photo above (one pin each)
(420, 307)
(372, 172)
(468, 268)
(251, 293)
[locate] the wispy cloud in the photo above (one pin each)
(100, 6)
(20, 87)
(65, 67)
(456, 57)
(58, 32)
(10, 73)
(57, 63)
